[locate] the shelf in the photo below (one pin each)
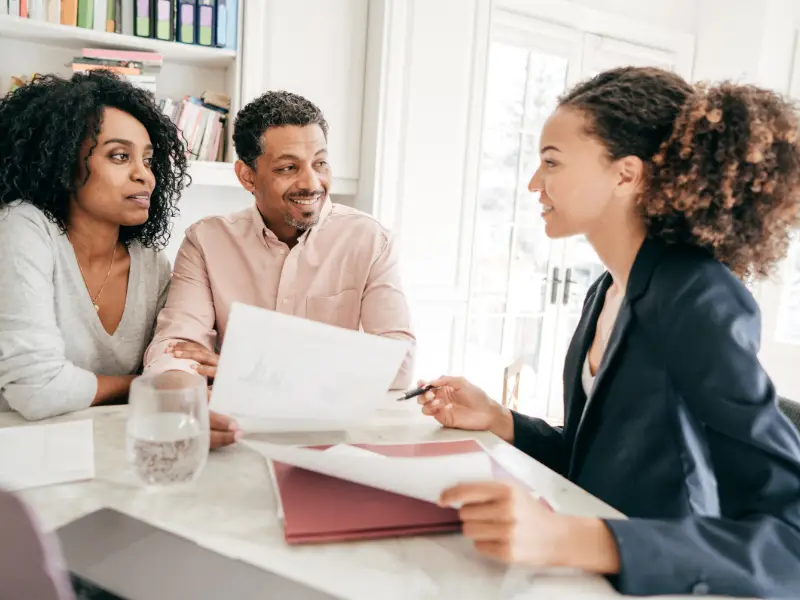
(212, 173)
(65, 36)
(222, 174)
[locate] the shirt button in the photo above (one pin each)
(700, 589)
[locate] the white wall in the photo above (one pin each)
(679, 15)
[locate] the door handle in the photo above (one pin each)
(554, 289)
(567, 283)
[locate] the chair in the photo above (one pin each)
(791, 409)
(512, 374)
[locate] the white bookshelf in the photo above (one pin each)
(30, 46)
(65, 36)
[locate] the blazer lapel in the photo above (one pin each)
(574, 396)
(644, 265)
(606, 365)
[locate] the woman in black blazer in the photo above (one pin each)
(669, 417)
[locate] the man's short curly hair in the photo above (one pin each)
(272, 109)
(723, 161)
(44, 125)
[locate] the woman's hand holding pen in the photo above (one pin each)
(459, 404)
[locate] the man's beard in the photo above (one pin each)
(308, 220)
(302, 225)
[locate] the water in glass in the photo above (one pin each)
(168, 431)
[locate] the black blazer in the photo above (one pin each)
(682, 434)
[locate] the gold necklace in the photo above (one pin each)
(100, 291)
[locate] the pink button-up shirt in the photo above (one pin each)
(344, 271)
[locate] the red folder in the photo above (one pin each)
(318, 508)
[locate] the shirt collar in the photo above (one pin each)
(269, 237)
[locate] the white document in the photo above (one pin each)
(38, 455)
(424, 477)
(278, 372)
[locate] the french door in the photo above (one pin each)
(526, 291)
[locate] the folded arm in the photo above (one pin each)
(188, 314)
(36, 379)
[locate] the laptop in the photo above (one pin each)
(113, 555)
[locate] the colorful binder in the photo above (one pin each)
(128, 12)
(111, 16)
(142, 19)
(233, 23)
(222, 23)
(163, 11)
(69, 12)
(206, 17)
(86, 14)
(185, 29)
(352, 511)
(100, 15)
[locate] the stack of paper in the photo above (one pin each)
(37, 455)
(281, 373)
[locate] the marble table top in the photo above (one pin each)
(231, 509)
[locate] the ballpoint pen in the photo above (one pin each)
(417, 392)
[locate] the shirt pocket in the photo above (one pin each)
(342, 309)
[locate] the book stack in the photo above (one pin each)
(202, 123)
(140, 68)
(201, 22)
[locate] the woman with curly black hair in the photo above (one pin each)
(669, 417)
(90, 174)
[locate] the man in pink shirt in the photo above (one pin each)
(293, 251)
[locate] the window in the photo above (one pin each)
(526, 291)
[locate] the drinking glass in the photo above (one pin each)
(167, 434)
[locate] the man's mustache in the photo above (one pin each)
(307, 195)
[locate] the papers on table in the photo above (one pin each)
(282, 373)
(424, 478)
(38, 455)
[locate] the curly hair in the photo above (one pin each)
(272, 109)
(723, 161)
(44, 125)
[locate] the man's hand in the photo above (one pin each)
(224, 430)
(206, 360)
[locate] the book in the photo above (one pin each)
(206, 22)
(83, 67)
(69, 12)
(54, 11)
(142, 19)
(163, 13)
(202, 126)
(107, 62)
(221, 37)
(148, 59)
(233, 23)
(14, 7)
(99, 18)
(185, 21)
(111, 16)
(37, 10)
(128, 16)
(372, 491)
(86, 14)
(23, 9)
